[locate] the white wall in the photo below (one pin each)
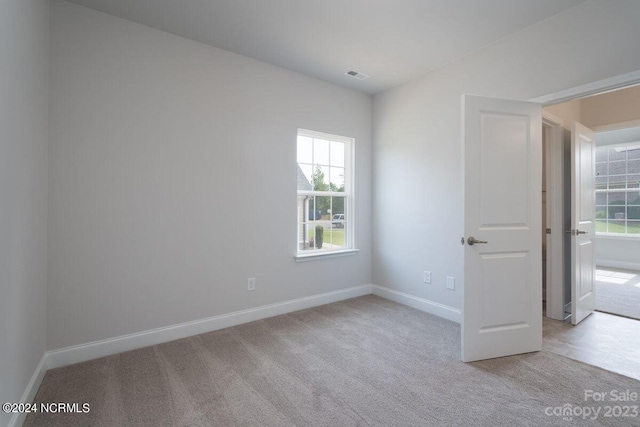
(24, 27)
(418, 218)
(173, 179)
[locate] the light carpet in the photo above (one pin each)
(618, 292)
(361, 362)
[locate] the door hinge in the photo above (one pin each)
(548, 231)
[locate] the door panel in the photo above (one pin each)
(583, 228)
(504, 134)
(502, 297)
(498, 284)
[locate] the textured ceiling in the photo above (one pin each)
(392, 41)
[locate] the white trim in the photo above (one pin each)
(595, 88)
(618, 264)
(421, 304)
(553, 128)
(304, 257)
(107, 347)
(324, 135)
(30, 392)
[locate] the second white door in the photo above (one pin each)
(583, 224)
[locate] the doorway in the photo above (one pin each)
(615, 116)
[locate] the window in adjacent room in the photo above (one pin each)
(618, 189)
(325, 192)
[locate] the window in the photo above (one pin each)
(325, 193)
(618, 189)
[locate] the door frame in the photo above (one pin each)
(553, 131)
(555, 288)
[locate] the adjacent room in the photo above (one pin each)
(276, 213)
(615, 119)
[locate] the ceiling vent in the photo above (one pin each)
(357, 75)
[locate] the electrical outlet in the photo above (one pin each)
(251, 284)
(451, 283)
(427, 277)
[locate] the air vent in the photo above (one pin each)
(357, 75)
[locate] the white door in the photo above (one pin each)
(583, 224)
(502, 297)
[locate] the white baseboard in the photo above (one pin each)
(618, 264)
(421, 304)
(30, 392)
(96, 349)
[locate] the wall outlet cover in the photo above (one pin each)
(451, 283)
(427, 277)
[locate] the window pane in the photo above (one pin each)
(633, 181)
(601, 182)
(617, 197)
(338, 218)
(633, 198)
(602, 154)
(337, 154)
(320, 178)
(305, 148)
(617, 168)
(304, 177)
(323, 206)
(601, 226)
(313, 212)
(337, 179)
(336, 237)
(601, 169)
(633, 212)
(633, 227)
(617, 154)
(311, 243)
(601, 199)
(633, 152)
(319, 236)
(617, 212)
(616, 226)
(320, 151)
(633, 166)
(301, 237)
(337, 204)
(617, 182)
(601, 212)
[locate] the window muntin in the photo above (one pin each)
(618, 189)
(325, 192)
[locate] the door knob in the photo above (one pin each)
(575, 232)
(472, 241)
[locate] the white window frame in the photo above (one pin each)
(348, 194)
(617, 190)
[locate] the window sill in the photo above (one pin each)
(323, 255)
(618, 236)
